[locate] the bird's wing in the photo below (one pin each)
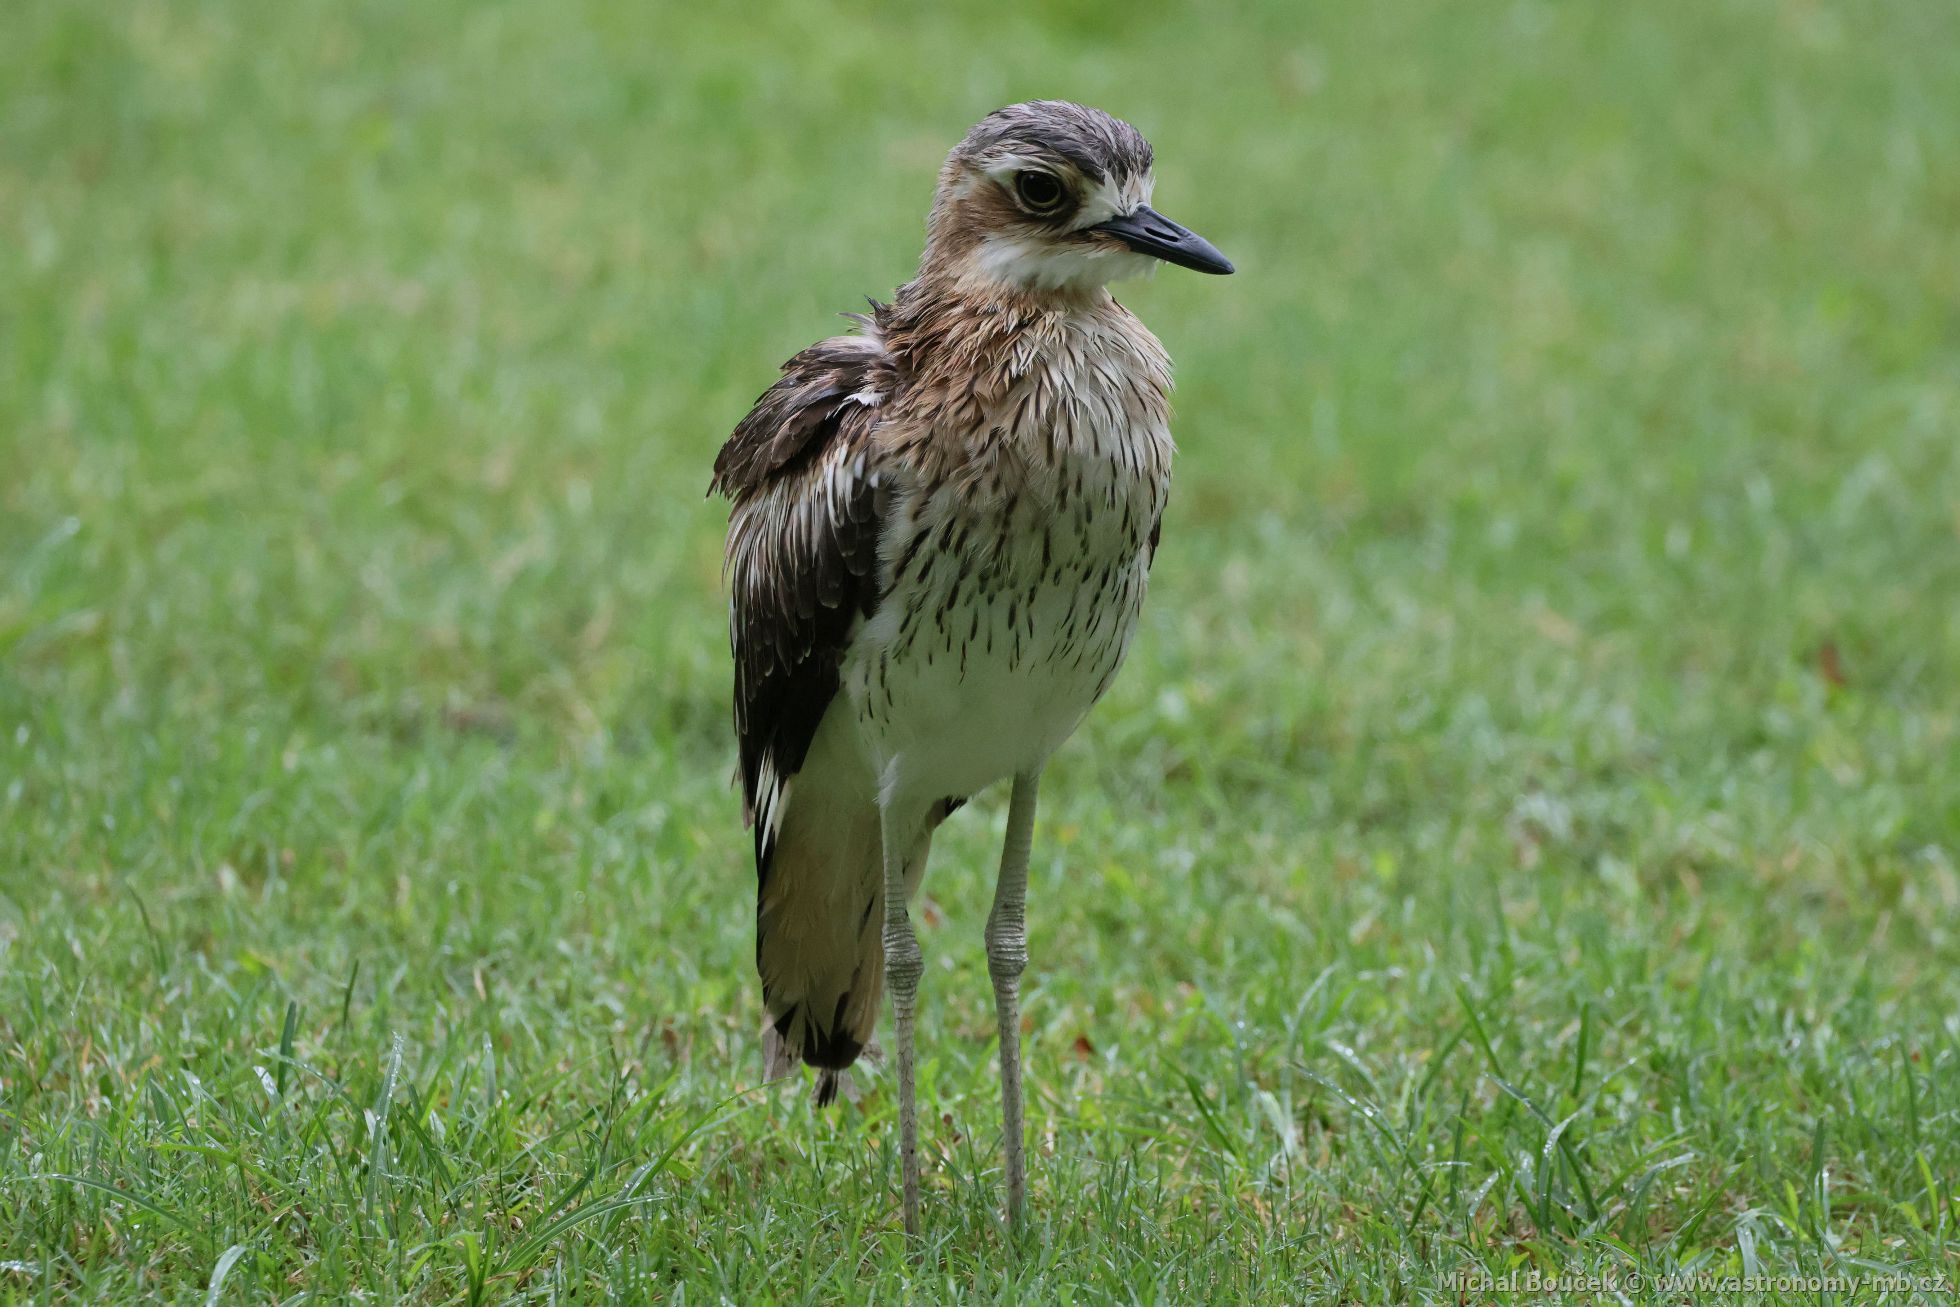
(802, 560)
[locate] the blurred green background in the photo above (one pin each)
(1525, 835)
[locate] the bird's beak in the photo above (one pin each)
(1149, 232)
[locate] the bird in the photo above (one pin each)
(941, 528)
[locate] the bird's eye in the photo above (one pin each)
(1039, 192)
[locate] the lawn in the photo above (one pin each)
(1526, 836)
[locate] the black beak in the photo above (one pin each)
(1149, 232)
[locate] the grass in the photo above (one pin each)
(1526, 836)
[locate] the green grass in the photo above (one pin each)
(1527, 834)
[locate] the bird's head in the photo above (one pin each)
(1052, 197)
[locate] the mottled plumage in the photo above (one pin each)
(942, 532)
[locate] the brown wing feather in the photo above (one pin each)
(802, 559)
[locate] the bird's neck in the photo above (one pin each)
(963, 271)
(938, 308)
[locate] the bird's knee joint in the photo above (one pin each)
(904, 964)
(1007, 958)
(902, 973)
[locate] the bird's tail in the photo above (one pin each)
(819, 930)
(819, 935)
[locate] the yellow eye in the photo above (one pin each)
(1039, 192)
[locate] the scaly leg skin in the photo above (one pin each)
(903, 966)
(1007, 957)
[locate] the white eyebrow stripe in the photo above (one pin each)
(1001, 167)
(1114, 194)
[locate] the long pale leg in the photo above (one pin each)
(1007, 957)
(903, 966)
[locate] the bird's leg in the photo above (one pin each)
(1007, 957)
(903, 966)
